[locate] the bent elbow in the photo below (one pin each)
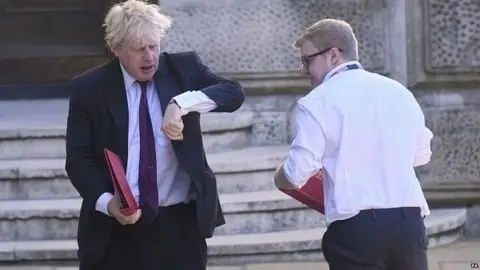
(239, 98)
(423, 159)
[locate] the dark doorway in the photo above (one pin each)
(44, 43)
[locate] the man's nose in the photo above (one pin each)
(148, 54)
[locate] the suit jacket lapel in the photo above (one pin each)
(116, 97)
(166, 84)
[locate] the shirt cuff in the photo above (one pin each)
(102, 203)
(183, 110)
(185, 101)
(194, 101)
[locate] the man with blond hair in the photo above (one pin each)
(145, 106)
(366, 132)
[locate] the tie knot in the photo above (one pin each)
(143, 85)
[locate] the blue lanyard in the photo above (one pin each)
(345, 68)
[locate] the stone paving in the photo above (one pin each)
(462, 255)
(457, 256)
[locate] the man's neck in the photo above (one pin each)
(339, 66)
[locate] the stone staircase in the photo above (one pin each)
(39, 207)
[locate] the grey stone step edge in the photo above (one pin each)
(241, 160)
(443, 228)
(210, 122)
(233, 203)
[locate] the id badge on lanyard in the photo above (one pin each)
(345, 68)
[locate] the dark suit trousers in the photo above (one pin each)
(171, 242)
(378, 239)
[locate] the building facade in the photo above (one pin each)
(431, 46)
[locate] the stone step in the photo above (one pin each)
(251, 212)
(41, 133)
(240, 170)
(443, 226)
(245, 213)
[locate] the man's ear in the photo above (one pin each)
(336, 55)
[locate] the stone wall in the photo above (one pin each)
(251, 40)
(432, 46)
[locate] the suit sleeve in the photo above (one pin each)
(81, 166)
(227, 94)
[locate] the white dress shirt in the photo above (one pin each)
(367, 132)
(173, 182)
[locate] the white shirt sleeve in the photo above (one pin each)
(307, 150)
(195, 101)
(102, 203)
(423, 152)
(423, 138)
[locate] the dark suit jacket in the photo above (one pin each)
(98, 119)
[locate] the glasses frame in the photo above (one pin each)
(305, 60)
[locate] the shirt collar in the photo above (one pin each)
(335, 69)
(127, 78)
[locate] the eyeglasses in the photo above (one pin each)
(308, 58)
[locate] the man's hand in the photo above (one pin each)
(114, 210)
(172, 125)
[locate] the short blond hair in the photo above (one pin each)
(134, 21)
(330, 33)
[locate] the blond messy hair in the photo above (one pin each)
(329, 33)
(134, 21)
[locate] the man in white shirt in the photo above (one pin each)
(367, 133)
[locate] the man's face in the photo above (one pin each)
(140, 60)
(314, 63)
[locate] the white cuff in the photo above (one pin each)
(194, 101)
(102, 203)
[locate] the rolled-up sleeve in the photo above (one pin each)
(307, 149)
(423, 152)
(423, 137)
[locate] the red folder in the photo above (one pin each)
(127, 203)
(311, 194)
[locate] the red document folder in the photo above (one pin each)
(127, 203)
(311, 194)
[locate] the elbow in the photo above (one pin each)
(69, 163)
(236, 98)
(423, 159)
(423, 152)
(239, 97)
(421, 162)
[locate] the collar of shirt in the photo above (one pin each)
(331, 72)
(127, 78)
